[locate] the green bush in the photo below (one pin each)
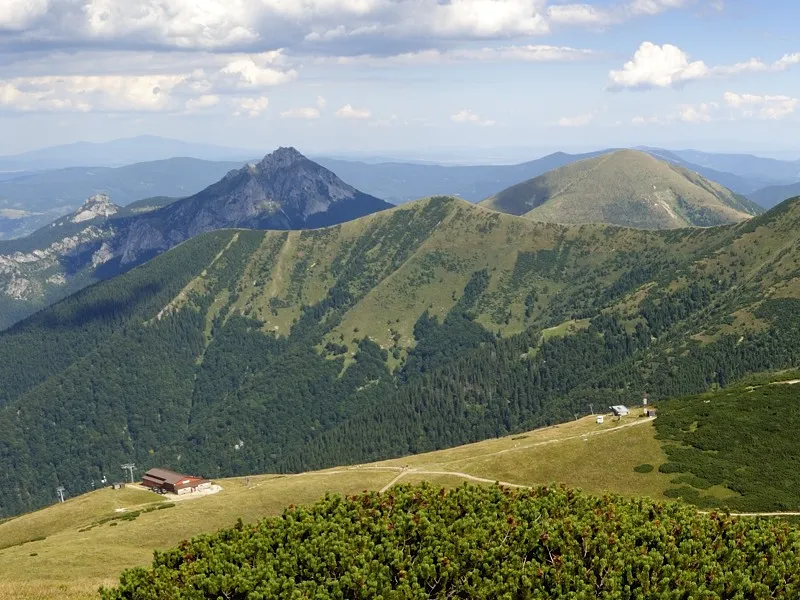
(479, 542)
(645, 468)
(669, 467)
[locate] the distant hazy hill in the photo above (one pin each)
(400, 182)
(283, 191)
(411, 329)
(626, 188)
(773, 195)
(117, 153)
(36, 199)
(744, 182)
(745, 165)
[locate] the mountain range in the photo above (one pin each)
(100, 239)
(120, 152)
(774, 195)
(31, 201)
(410, 329)
(627, 188)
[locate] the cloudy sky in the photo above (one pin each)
(399, 75)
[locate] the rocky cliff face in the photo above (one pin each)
(283, 191)
(96, 207)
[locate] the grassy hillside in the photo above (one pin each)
(421, 328)
(69, 550)
(580, 453)
(627, 188)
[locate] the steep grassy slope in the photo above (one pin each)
(627, 188)
(419, 328)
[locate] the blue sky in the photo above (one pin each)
(487, 79)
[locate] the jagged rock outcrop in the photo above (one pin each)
(97, 207)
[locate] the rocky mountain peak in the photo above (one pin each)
(99, 205)
(281, 158)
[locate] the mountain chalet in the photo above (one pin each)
(174, 483)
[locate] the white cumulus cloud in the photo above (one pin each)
(654, 7)
(204, 101)
(307, 113)
(432, 56)
(252, 107)
(658, 66)
(465, 115)
(260, 24)
(762, 107)
(189, 89)
(17, 14)
(698, 113)
(592, 16)
(654, 66)
(577, 121)
(90, 92)
(259, 71)
(348, 112)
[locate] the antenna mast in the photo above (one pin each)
(130, 468)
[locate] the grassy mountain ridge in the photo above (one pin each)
(627, 188)
(421, 327)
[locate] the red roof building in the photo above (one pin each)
(175, 483)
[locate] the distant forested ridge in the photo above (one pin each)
(427, 326)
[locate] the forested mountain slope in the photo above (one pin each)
(627, 188)
(283, 191)
(417, 328)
